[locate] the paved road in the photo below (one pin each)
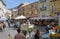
(4, 34)
(41, 28)
(12, 31)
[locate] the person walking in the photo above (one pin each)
(37, 35)
(47, 29)
(17, 24)
(4, 25)
(19, 35)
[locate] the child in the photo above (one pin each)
(9, 36)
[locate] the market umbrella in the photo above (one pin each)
(3, 19)
(20, 17)
(43, 18)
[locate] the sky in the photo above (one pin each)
(14, 3)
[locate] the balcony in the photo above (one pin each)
(41, 1)
(43, 9)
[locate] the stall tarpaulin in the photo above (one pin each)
(3, 19)
(20, 17)
(43, 18)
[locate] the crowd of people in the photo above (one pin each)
(37, 34)
(20, 35)
(50, 28)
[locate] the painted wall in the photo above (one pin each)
(44, 13)
(2, 9)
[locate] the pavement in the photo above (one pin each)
(4, 34)
(41, 28)
(12, 32)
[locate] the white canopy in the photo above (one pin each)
(20, 17)
(43, 18)
(3, 18)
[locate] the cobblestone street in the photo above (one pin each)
(4, 34)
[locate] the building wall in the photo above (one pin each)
(14, 14)
(2, 8)
(52, 7)
(56, 7)
(30, 10)
(44, 8)
(8, 14)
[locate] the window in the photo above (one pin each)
(32, 12)
(53, 8)
(36, 7)
(23, 10)
(43, 8)
(42, 1)
(32, 5)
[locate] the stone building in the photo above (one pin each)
(55, 7)
(49, 7)
(28, 10)
(14, 13)
(8, 14)
(44, 8)
(2, 8)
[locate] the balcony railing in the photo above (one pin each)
(43, 9)
(41, 1)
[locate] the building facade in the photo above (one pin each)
(8, 14)
(2, 8)
(29, 10)
(49, 7)
(55, 7)
(44, 8)
(14, 13)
